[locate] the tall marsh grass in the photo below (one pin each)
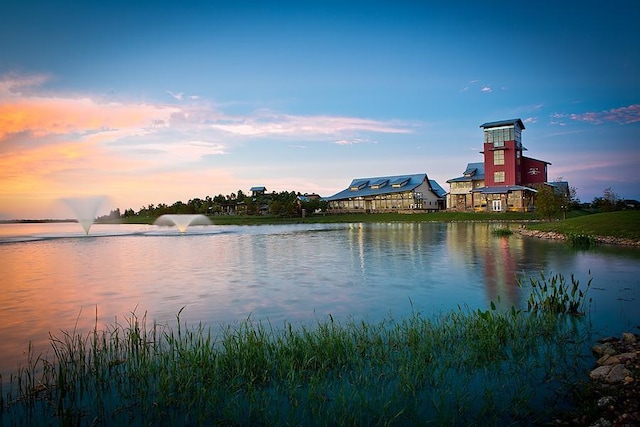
(502, 232)
(554, 294)
(464, 367)
(580, 240)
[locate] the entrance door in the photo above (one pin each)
(497, 205)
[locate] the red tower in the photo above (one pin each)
(504, 164)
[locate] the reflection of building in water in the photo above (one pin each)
(497, 258)
(501, 269)
(396, 254)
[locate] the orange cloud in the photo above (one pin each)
(59, 116)
(54, 146)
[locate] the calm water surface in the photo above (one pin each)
(54, 277)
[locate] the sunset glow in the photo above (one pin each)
(305, 97)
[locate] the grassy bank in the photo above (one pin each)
(620, 224)
(357, 217)
(465, 367)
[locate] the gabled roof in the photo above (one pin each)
(535, 160)
(510, 122)
(435, 187)
(473, 172)
(361, 187)
(254, 189)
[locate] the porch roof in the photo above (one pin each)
(504, 189)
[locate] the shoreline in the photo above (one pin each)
(554, 235)
(611, 396)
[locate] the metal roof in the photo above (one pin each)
(361, 187)
(536, 160)
(435, 187)
(509, 122)
(474, 172)
(504, 189)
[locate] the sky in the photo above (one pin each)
(156, 102)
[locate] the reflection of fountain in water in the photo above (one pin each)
(182, 221)
(85, 209)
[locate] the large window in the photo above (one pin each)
(498, 136)
(498, 176)
(498, 157)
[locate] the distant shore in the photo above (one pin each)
(614, 228)
(35, 221)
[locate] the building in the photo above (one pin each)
(505, 180)
(461, 195)
(400, 193)
(258, 191)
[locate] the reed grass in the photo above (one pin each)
(471, 367)
(502, 232)
(580, 240)
(553, 294)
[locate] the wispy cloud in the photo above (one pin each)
(56, 144)
(42, 115)
(477, 85)
(354, 141)
(621, 115)
(269, 123)
(176, 95)
(84, 118)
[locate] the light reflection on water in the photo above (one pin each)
(54, 277)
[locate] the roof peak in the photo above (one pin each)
(503, 123)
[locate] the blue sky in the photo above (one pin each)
(154, 102)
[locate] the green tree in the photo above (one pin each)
(574, 200)
(548, 203)
(610, 201)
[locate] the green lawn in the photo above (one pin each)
(622, 224)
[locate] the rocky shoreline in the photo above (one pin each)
(552, 235)
(612, 397)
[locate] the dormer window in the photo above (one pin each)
(399, 182)
(359, 185)
(379, 183)
(470, 172)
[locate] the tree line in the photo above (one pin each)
(550, 202)
(284, 203)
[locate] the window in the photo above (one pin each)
(499, 136)
(498, 157)
(498, 176)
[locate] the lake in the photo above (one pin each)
(54, 277)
